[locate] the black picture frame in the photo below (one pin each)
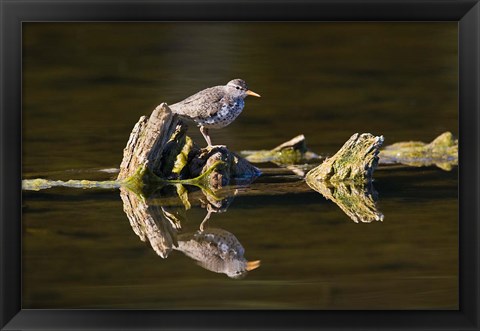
(14, 12)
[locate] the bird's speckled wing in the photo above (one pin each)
(202, 104)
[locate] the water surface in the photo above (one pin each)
(86, 84)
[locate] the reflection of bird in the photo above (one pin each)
(214, 107)
(217, 250)
(215, 204)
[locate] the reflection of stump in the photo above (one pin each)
(356, 200)
(159, 145)
(151, 223)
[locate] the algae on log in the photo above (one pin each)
(355, 161)
(442, 152)
(42, 184)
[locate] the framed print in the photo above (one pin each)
(240, 165)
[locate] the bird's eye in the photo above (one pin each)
(237, 87)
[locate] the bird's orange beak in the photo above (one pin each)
(253, 93)
(251, 265)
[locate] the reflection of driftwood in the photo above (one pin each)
(158, 221)
(442, 152)
(151, 223)
(357, 200)
(158, 147)
(355, 161)
(217, 250)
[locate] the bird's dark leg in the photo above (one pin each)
(204, 132)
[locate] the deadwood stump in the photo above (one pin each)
(159, 150)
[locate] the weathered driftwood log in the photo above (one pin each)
(159, 149)
(147, 141)
(355, 161)
(294, 151)
(442, 152)
(292, 155)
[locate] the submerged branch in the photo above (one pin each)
(38, 184)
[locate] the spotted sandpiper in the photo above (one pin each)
(215, 107)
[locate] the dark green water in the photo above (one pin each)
(85, 86)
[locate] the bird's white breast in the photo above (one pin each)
(226, 115)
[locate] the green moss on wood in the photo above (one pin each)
(38, 184)
(355, 161)
(441, 152)
(146, 182)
